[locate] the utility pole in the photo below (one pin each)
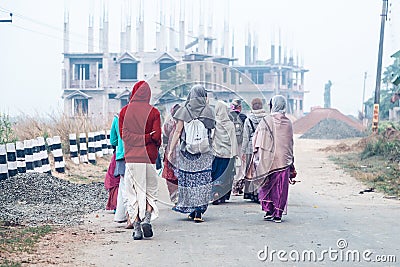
(7, 20)
(375, 118)
(363, 96)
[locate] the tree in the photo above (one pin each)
(6, 132)
(385, 104)
(177, 83)
(390, 72)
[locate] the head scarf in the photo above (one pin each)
(256, 104)
(278, 104)
(224, 141)
(174, 109)
(236, 105)
(196, 107)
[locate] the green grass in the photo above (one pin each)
(17, 239)
(80, 178)
(7, 263)
(375, 171)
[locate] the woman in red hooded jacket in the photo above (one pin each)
(141, 133)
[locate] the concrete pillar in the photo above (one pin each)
(201, 44)
(226, 39)
(73, 148)
(90, 35)
(28, 151)
(66, 32)
(91, 148)
(272, 54)
(105, 37)
(172, 44)
(103, 141)
(255, 49)
(37, 161)
(3, 163)
(128, 37)
(11, 159)
(122, 48)
(83, 158)
(44, 157)
(59, 163)
(21, 165)
(182, 36)
(97, 141)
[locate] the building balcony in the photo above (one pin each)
(83, 84)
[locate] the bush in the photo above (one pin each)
(384, 125)
(7, 134)
(389, 150)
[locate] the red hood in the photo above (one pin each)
(141, 92)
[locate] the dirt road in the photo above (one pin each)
(325, 212)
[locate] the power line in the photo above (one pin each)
(7, 20)
(53, 28)
(31, 20)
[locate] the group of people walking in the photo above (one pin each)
(210, 153)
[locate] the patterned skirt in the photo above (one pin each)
(194, 181)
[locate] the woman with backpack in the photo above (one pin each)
(195, 120)
(250, 126)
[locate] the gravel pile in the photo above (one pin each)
(37, 198)
(302, 125)
(332, 129)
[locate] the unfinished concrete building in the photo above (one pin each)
(97, 83)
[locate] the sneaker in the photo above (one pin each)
(137, 231)
(268, 216)
(277, 220)
(147, 230)
(215, 202)
(146, 226)
(255, 197)
(247, 196)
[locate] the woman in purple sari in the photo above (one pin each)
(273, 158)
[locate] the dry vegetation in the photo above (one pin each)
(375, 160)
(86, 172)
(55, 124)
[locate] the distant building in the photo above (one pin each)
(97, 84)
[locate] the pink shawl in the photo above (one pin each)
(273, 146)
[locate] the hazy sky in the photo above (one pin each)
(337, 39)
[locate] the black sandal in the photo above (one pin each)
(197, 217)
(191, 215)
